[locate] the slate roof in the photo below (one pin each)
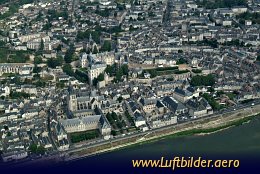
(174, 105)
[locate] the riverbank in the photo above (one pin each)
(196, 127)
(200, 132)
(217, 129)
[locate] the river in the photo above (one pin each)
(235, 142)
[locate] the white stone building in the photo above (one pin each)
(95, 70)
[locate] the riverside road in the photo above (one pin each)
(223, 113)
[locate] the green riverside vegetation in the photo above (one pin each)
(204, 131)
(212, 130)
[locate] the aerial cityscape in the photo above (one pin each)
(80, 77)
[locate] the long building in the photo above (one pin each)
(92, 122)
(16, 68)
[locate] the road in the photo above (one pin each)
(222, 113)
(57, 155)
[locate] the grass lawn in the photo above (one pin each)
(83, 136)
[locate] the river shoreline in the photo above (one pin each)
(207, 127)
(194, 128)
(195, 132)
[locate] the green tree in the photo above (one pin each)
(60, 85)
(41, 45)
(119, 75)
(214, 104)
(40, 150)
(109, 69)
(36, 69)
(33, 148)
(180, 51)
(153, 73)
(47, 26)
(18, 95)
(100, 77)
(67, 68)
(106, 46)
(95, 50)
(113, 132)
(125, 69)
(37, 60)
(120, 99)
(54, 62)
(40, 83)
(181, 61)
(69, 54)
(59, 47)
(207, 80)
(258, 58)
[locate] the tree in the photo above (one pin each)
(19, 95)
(33, 148)
(16, 80)
(40, 83)
(88, 51)
(6, 127)
(254, 17)
(37, 60)
(81, 76)
(109, 69)
(40, 150)
(59, 47)
(67, 68)
(153, 73)
(214, 104)
(60, 85)
(47, 26)
(114, 116)
(120, 99)
(95, 50)
(41, 45)
(103, 13)
(119, 75)
(131, 28)
(181, 61)
(203, 80)
(125, 69)
(100, 77)
(106, 46)
(36, 69)
(53, 63)
(258, 58)
(69, 54)
(2, 43)
(113, 132)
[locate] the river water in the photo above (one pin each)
(233, 143)
(240, 141)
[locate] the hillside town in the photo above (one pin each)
(78, 72)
